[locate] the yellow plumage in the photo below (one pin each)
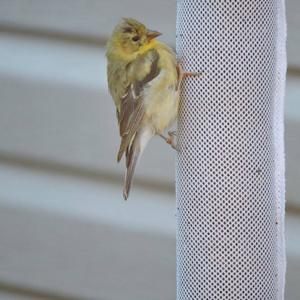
(143, 80)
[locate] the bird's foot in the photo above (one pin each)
(170, 139)
(182, 74)
(186, 74)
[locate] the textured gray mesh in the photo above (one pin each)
(230, 169)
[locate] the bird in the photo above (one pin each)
(144, 81)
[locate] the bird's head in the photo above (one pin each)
(130, 36)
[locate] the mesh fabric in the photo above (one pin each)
(230, 168)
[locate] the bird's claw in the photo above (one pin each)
(182, 74)
(170, 139)
(186, 74)
(172, 133)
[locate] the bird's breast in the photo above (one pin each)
(161, 101)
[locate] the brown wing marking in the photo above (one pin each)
(129, 132)
(132, 108)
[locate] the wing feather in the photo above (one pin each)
(132, 107)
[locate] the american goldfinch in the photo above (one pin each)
(143, 79)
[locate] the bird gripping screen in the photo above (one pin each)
(230, 168)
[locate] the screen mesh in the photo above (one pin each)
(230, 168)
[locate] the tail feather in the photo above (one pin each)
(133, 154)
(129, 153)
(130, 172)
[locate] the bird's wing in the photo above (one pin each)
(139, 73)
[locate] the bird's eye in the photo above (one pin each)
(136, 38)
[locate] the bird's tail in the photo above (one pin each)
(133, 154)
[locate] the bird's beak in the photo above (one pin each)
(151, 34)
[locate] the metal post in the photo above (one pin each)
(230, 168)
